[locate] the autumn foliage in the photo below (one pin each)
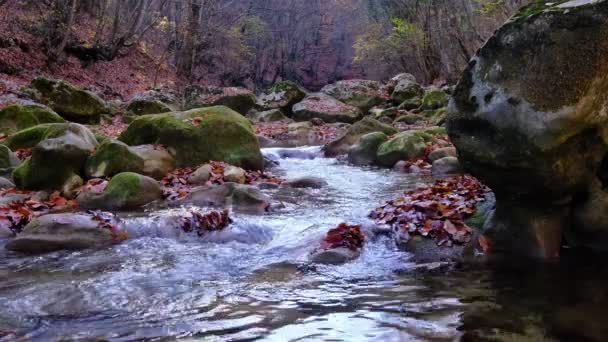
(202, 223)
(438, 211)
(344, 236)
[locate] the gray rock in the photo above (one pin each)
(334, 256)
(442, 153)
(201, 175)
(445, 166)
(6, 183)
(234, 174)
(325, 107)
(305, 182)
(244, 198)
(158, 162)
(364, 152)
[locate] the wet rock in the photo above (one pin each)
(325, 107)
(241, 197)
(6, 183)
(363, 94)
(343, 144)
(403, 146)
(125, 191)
(200, 135)
(305, 182)
(404, 87)
(282, 95)
(157, 160)
(446, 166)
(234, 174)
(113, 157)
(238, 99)
(70, 102)
(334, 256)
(442, 153)
(425, 250)
(268, 186)
(364, 152)
(15, 118)
(201, 175)
(61, 232)
(6, 233)
(58, 157)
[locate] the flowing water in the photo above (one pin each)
(252, 281)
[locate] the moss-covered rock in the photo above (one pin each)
(434, 99)
(70, 102)
(403, 146)
(404, 87)
(30, 137)
(113, 157)
(363, 94)
(364, 152)
(412, 103)
(343, 144)
(16, 117)
(199, 135)
(126, 190)
(282, 95)
(410, 118)
(8, 159)
(238, 99)
(145, 106)
(325, 107)
(56, 159)
(435, 116)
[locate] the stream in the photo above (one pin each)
(253, 281)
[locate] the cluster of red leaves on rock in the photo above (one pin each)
(175, 185)
(345, 236)
(23, 153)
(18, 214)
(112, 128)
(203, 223)
(106, 220)
(437, 211)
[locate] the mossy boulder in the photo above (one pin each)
(147, 106)
(66, 231)
(434, 99)
(343, 144)
(363, 94)
(412, 103)
(14, 118)
(113, 157)
(8, 159)
(69, 101)
(125, 191)
(404, 87)
(238, 99)
(325, 107)
(410, 119)
(199, 135)
(56, 158)
(403, 146)
(282, 95)
(30, 137)
(364, 152)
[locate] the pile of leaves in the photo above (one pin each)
(436, 212)
(202, 223)
(175, 185)
(18, 214)
(345, 236)
(112, 128)
(108, 221)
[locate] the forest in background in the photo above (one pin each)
(119, 47)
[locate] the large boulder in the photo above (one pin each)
(54, 232)
(199, 135)
(434, 99)
(157, 160)
(404, 146)
(282, 95)
(343, 144)
(70, 102)
(244, 198)
(59, 155)
(325, 107)
(365, 150)
(238, 99)
(125, 191)
(113, 157)
(404, 87)
(15, 118)
(529, 118)
(363, 94)
(152, 102)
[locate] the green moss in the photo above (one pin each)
(410, 119)
(404, 146)
(143, 107)
(32, 175)
(30, 137)
(199, 135)
(15, 117)
(434, 99)
(412, 103)
(123, 186)
(113, 157)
